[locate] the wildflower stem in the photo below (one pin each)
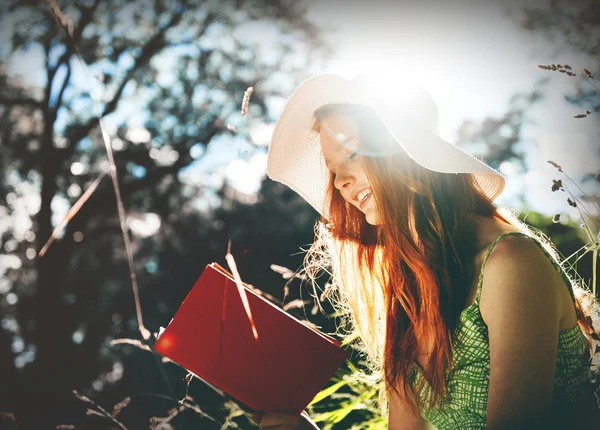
(595, 257)
(595, 246)
(592, 84)
(593, 219)
(575, 253)
(589, 233)
(587, 249)
(579, 205)
(100, 410)
(582, 192)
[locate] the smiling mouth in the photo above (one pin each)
(364, 202)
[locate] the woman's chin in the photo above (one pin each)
(369, 217)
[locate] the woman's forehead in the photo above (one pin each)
(337, 131)
(338, 143)
(339, 123)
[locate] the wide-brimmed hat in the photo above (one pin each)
(406, 109)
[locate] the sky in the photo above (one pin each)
(473, 57)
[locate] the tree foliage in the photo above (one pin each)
(168, 78)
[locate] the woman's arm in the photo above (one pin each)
(520, 303)
(400, 416)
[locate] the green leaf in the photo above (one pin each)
(327, 392)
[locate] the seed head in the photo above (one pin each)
(556, 184)
(555, 165)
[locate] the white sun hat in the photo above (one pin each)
(407, 110)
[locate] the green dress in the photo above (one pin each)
(467, 380)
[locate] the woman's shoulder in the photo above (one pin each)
(510, 247)
(517, 275)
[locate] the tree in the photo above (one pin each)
(60, 310)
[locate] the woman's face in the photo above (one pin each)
(340, 145)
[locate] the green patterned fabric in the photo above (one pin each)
(467, 379)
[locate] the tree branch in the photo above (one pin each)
(153, 46)
(22, 101)
(97, 201)
(62, 89)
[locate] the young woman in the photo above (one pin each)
(407, 227)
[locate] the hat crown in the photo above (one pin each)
(405, 101)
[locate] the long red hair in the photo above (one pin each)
(421, 284)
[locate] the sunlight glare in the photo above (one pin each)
(395, 70)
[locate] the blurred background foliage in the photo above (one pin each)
(169, 78)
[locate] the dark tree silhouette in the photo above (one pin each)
(60, 311)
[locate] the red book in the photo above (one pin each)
(212, 338)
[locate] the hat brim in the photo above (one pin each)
(294, 156)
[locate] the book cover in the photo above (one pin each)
(211, 336)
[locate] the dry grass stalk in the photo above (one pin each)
(286, 273)
(555, 165)
(135, 342)
(60, 18)
(68, 26)
(246, 100)
(162, 423)
(72, 212)
(594, 238)
(295, 304)
(99, 410)
(120, 406)
(188, 380)
(261, 293)
(238, 282)
(310, 324)
(138, 344)
(566, 69)
(558, 68)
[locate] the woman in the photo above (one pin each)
(408, 225)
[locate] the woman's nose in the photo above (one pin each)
(343, 179)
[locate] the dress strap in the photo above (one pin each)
(552, 259)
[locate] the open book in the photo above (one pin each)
(213, 339)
